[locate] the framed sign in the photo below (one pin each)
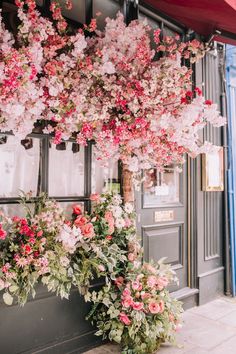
(213, 170)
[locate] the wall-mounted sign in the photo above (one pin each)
(213, 170)
(164, 215)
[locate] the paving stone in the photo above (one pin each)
(228, 347)
(216, 309)
(229, 320)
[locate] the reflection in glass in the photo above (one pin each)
(161, 187)
(19, 166)
(105, 8)
(77, 12)
(66, 170)
(105, 179)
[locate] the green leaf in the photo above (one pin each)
(8, 299)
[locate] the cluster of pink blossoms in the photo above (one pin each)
(109, 88)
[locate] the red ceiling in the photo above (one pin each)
(203, 16)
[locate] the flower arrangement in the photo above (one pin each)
(45, 246)
(136, 310)
(31, 251)
(136, 102)
(132, 307)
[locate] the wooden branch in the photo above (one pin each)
(128, 189)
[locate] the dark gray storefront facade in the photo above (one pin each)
(177, 220)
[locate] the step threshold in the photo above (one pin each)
(184, 293)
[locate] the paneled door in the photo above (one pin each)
(162, 219)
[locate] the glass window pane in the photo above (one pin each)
(19, 166)
(106, 8)
(14, 209)
(66, 170)
(105, 179)
(161, 188)
(76, 13)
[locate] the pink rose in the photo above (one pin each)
(151, 281)
(154, 307)
(124, 318)
(87, 230)
(80, 221)
(136, 285)
(137, 306)
(127, 301)
(77, 209)
(162, 282)
(95, 197)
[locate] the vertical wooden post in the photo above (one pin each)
(128, 189)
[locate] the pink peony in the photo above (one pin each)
(80, 221)
(87, 230)
(154, 307)
(137, 306)
(124, 318)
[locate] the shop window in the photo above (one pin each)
(105, 178)
(66, 170)
(19, 165)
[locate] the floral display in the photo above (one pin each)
(137, 311)
(132, 306)
(112, 86)
(45, 246)
(31, 251)
(110, 241)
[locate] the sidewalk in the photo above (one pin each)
(210, 328)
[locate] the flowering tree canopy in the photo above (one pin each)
(136, 102)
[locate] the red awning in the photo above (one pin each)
(203, 16)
